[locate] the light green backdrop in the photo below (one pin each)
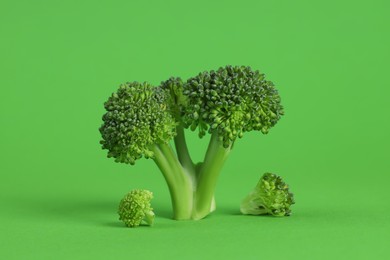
(60, 60)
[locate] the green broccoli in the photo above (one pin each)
(135, 209)
(141, 120)
(270, 196)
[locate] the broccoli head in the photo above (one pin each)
(137, 118)
(231, 101)
(270, 196)
(135, 209)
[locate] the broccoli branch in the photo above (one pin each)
(182, 150)
(208, 175)
(178, 181)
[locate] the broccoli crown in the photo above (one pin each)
(231, 101)
(270, 196)
(137, 117)
(135, 209)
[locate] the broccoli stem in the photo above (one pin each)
(207, 174)
(178, 180)
(191, 186)
(252, 205)
(182, 149)
(149, 218)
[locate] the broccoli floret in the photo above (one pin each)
(231, 101)
(177, 99)
(271, 196)
(141, 120)
(136, 119)
(135, 209)
(226, 103)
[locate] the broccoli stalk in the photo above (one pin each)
(141, 120)
(178, 180)
(207, 176)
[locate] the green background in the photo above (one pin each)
(60, 60)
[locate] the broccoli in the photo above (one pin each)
(141, 120)
(135, 208)
(271, 196)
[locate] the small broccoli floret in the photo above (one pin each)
(270, 196)
(177, 100)
(135, 209)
